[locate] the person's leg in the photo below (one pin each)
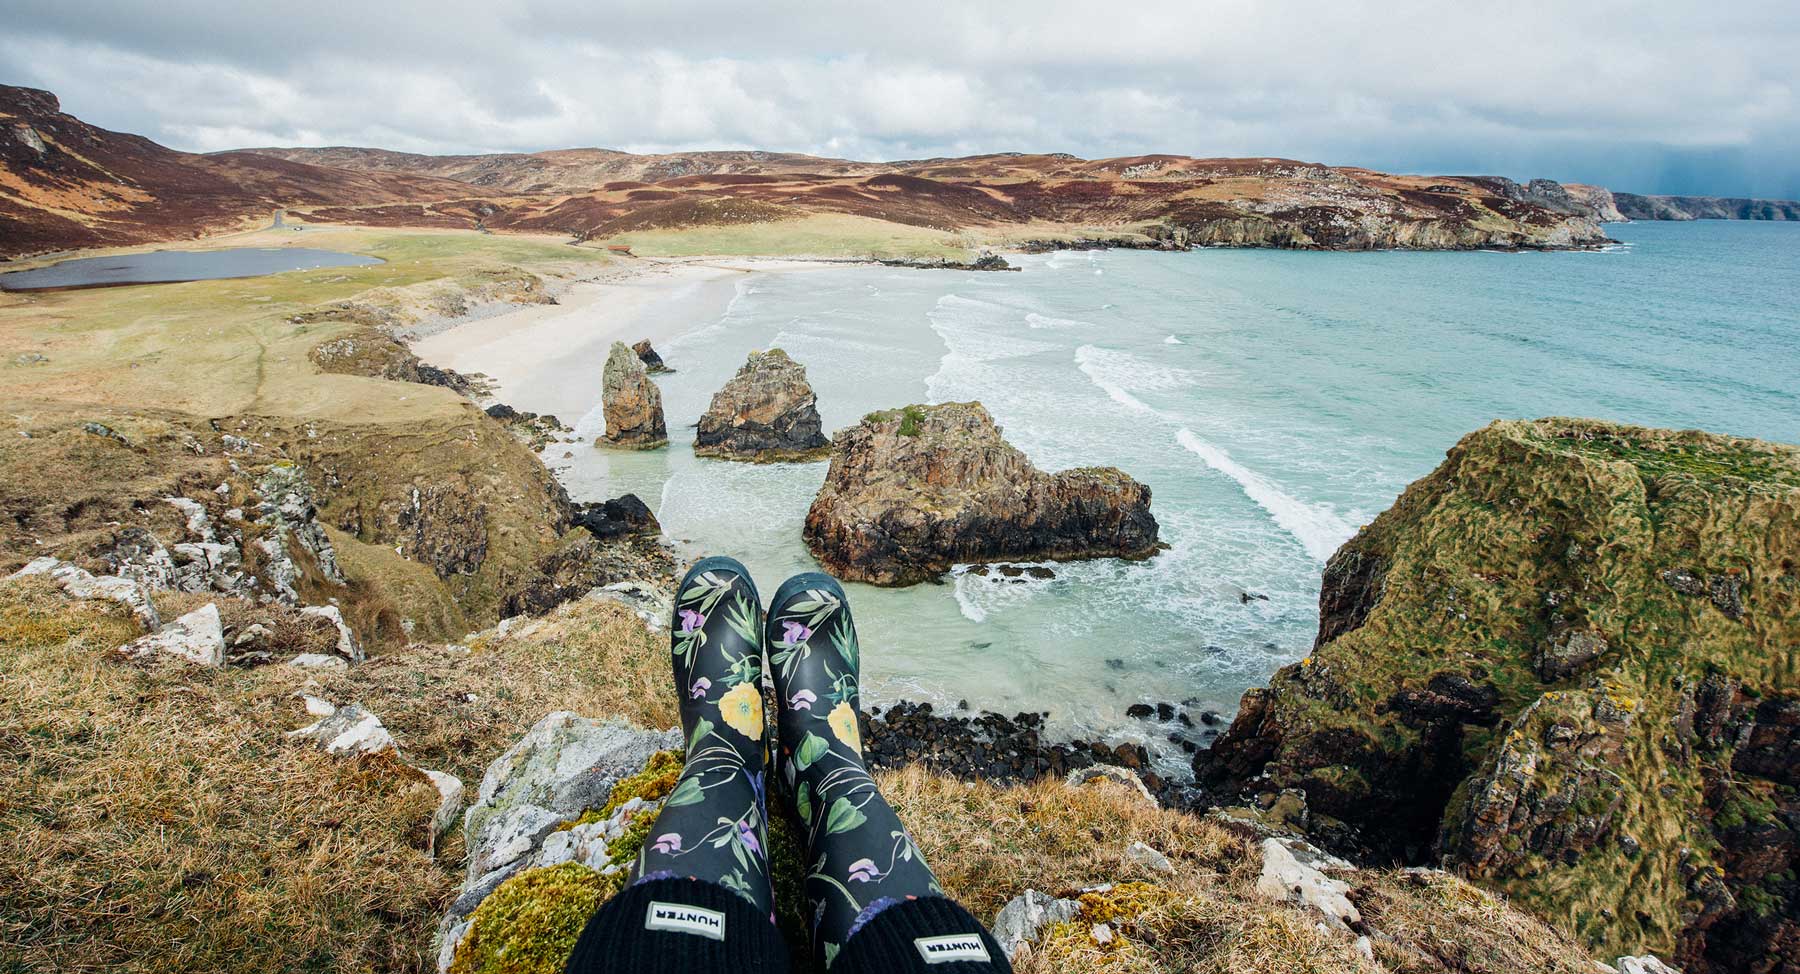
(876, 905)
(700, 898)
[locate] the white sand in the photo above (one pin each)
(548, 358)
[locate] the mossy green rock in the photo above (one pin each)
(1554, 662)
(531, 922)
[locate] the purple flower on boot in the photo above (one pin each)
(667, 843)
(747, 836)
(793, 633)
(802, 700)
(691, 621)
(863, 870)
(698, 690)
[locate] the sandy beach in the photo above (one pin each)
(548, 358)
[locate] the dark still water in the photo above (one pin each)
(167, 266)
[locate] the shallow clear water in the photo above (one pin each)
(1273, 402)
(168, 266)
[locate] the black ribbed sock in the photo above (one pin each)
(679, 926)
(929, 935)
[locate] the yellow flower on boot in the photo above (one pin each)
(843, 724)
(741, 709)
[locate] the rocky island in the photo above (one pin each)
(632, 403)
(766, 412)
(1563, 663)
(916, 490)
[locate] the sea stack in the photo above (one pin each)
(913, 491)
(766, 413)
(633, 404)
(653, 362)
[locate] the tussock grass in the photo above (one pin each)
(988, 844)
(157, 820)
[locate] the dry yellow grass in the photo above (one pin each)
(158, 820)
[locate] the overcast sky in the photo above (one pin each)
(1669, 97)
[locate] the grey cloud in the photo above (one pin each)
(1683, 98)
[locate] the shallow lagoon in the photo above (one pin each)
(170, 266)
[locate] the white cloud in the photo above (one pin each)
(1603, 90)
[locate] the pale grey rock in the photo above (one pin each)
(196, 637)
(561, 768)
(79, 583)
(1102, 934)
(1024, 918)
(349, 730)
(450, 803)
(1124, 776)
(319, 661)
(198, 522)
(651, 604)
(448, 939)
(288, 506)
(565, 764)
(347, 646)
(1149, 858)
(1286, 879)
(1645, 964)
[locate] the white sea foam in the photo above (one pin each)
(975, 334)
(1317, 527)
(1172, 340)
(1036, 320)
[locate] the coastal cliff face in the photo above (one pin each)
(913, 491)
(766, 412)
(1636, 207)
(1565, 661)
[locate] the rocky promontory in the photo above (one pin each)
(633, 404)
(914, 491)
(766, 412)
(1562, 663)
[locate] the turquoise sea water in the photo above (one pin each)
(1273, 401)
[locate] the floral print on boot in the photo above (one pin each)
(713, 826)
(859, 859)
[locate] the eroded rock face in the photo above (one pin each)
(766, 412)
(633, 404)
(913, 491)
(1560, 662)
(653, 362)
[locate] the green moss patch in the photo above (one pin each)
(529, 925)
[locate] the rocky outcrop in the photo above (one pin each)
(531, 811)
(914, 491)
(1636, 207)
(633, 404)
(653, 362)
(1598, 200)
(196, 638)
(620, 517)
(766, 412)
(1560, 662)
(79, 583)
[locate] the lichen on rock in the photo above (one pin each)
(1554, 661)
